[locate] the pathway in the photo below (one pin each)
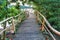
(29, 30)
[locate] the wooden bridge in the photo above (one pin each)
(29, 29)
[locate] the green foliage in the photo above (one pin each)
(2, 3)
(12, 11)
(2, 9)
(17, 5)
(8, 12)
(51, 10)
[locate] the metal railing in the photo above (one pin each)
(41, 18)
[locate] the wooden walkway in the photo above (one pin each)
(29, 30)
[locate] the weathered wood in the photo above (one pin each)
(13, 26)
(42, 26)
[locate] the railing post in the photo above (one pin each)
(13, 26)
(37, 16)
(19, 18)
(4, 34)
(42, 26)
(0, 35)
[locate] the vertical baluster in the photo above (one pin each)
(19, 18)
(37, 15)
(13, 26)
(42, 26)
(12, 29)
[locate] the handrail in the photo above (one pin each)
(12, 25)
(9, 18)
(5, 21)
(48, 24)
(47, 29)
(4, 30)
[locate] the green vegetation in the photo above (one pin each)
(51, 10)
(2, 9)
(13, 11)
(9, 12)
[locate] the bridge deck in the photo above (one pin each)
(29, 30)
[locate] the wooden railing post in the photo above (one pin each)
(13, 26)
(36, 17)
(19, 18)
(42, 26)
